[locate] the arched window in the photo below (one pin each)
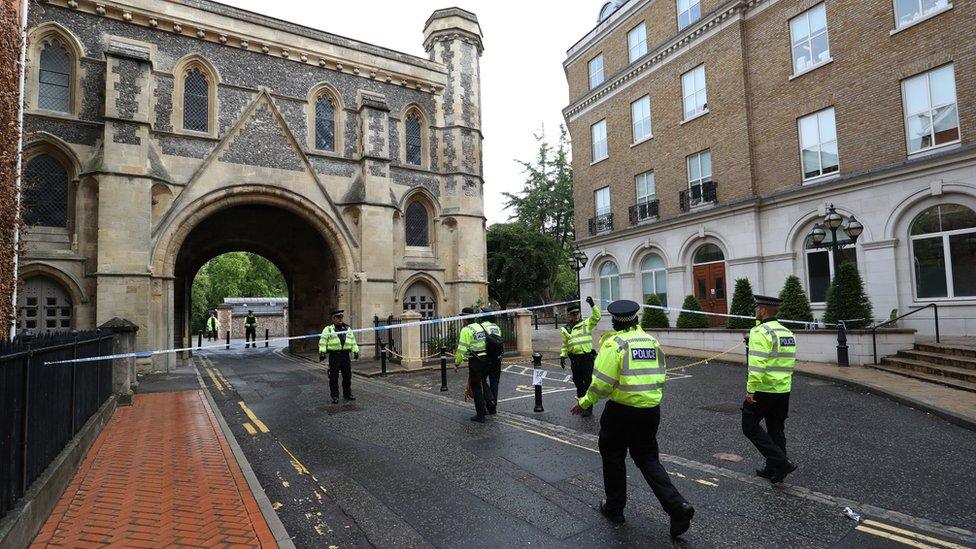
(654, 277)
(325, 124)
(415, 140)
(944, 252)
(708, 253)
(196, 101)
(820, 264)
(43, 306)
(420, 298)
(46, 192)
(417, 225)
(609, 281)
(54, 78)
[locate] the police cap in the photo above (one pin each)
(574, 308)
(338, 312)
(623, 310)
(767, 300)
(467, 311)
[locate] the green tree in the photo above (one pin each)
(654, 319)
(522, 263)
(795, 305)
(691, 320)
(233, 274)
(743, 304)
(847, 300)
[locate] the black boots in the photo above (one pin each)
(780, 474)
(617, 518)
(681, 521)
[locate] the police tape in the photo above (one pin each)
(240, 345)
(805, 324)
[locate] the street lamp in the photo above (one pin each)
(578, 261)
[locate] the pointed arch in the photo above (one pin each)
(324, 99)
(403, 292)
(51, 171)
(195, 103)
(415, 137)
(55, 54)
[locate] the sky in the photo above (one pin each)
(523, 83)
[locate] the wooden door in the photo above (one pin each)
(710, 290)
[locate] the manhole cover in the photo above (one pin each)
(727, 457)
(723, 408)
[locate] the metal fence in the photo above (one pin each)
(43, 406)
(391, 337)
(445, 334)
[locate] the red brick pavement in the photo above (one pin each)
(161, 474)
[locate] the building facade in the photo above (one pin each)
(709, 137)
(162, 133)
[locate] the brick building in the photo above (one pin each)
(710, 137)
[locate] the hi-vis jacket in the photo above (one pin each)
(250, 321)
(471, 340)
(330, 342)
(630, 369)
(213, 324)
(579, 339)
(772, 355)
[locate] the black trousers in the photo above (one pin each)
(339, 362)
(771, 441)
(582, 368)
(212, 335)
(493, 374)
(624, 428)
(477, 371)
(250, 334)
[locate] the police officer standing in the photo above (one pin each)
(771, 357)
(578, 346)
(250, 329)
(337, 342)
(471, 344)
(630, 370)
(213, 327)
(493, 364)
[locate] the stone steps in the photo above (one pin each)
(946, 349)
(946, 359)
(928, 372)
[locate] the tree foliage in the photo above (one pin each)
(743, 304)
(654, 319)
(847, 300)
(233, 274)
(795, 304)
(522, 262)
(688, 320)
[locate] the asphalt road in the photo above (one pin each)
(403, 466)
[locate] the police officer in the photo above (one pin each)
(578, 346)
(771, 357)
(250, 329)
(337, 342)
(630, 370)
(493, 368)
(213, 326)
(471, 344)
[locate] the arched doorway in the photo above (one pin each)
(420, 297)
(287, 240)
(709, 281)
(43, 306)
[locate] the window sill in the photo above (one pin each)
(645, 140)
(646, 221)
(807, 70)
(702, 206)
(192, 133)
(922, 19)
(821, 179)
(695, 117)
(935, 150)
(595, 162)
(52, 114)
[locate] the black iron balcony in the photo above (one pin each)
(644, 211)
(698, 195)
(601, 224)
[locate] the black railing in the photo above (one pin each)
(874, 329)
(601, 224)
(643, 212)
(445, 334)
(390, 336)
(705, 193)
(43, 406)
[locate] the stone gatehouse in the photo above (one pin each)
(160, 134)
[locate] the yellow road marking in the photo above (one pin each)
(910, 534)
(221, 376)
(216, 382)
(299, 466)
(705, 482)
(250, 429)
(254, 419)
(893, 537)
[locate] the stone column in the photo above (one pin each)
(226, 318)
(124, 380)
(411, 341)
(523, 332)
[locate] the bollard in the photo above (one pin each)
(265, 337)
(382, 359)
(228, 340)
(200, 340)
(842, 358)
(537, 380)
(555, 321)
(443, 368)
(535, 319)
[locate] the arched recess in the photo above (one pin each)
(412, 288)
(815, 266)
(917, 201)
(416, 221)
(44, 305)
(71, 283)
(41, 37)
(44, 144)
(190, 65)
(709, 282)
(642, 250)
(412, 121)
(691, 244)
(325, 91)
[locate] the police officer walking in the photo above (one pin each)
(630, 371)
(771, 358)
(213, 327)
(250, 329)
(337, 342)
(493, 364)
(471, 345)
(578, 346)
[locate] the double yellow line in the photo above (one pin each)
(905, 537)
(256, 424)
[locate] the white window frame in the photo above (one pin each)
(814, 63)
(931, 108)
(610, 279)
(701, 179)
(653, 273)
(637, 42)
(598, 211)
(946, 253)
(919, 15)
(644, 178)
(638, 124)
(596, 77)
(700, 94)
(691, 5)
(819, 146)
(830, 265)
(598, 136)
